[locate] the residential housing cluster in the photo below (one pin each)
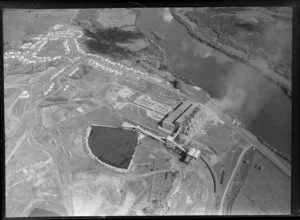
(29, 51)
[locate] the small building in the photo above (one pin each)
(192, 154)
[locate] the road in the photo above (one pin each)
(264, 150)
(142, 175)
(229, 208)
(16, 147)
(231, 178)
(214, 176)
(250, 137)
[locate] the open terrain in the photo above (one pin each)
(93, 67)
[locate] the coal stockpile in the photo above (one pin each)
(113, 146)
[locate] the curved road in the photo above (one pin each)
(240, 185)
(252, 138)
(265, 151)
(231, 178)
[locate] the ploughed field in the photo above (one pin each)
(113, 146)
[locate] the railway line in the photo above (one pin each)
(238, 184)
(234, 172)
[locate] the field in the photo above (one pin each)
(116, 18)
(270, 182)
(103, 116)
(220, 138)
(192, 196)
(238, 179)
(27, 23)
(140, 85)
(149, 157)
(161, 186)
(138, 115)
(229, 163)
(52, 48)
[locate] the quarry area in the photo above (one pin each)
(95, 127)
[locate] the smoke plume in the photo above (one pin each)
(167, 16)
(244, 93)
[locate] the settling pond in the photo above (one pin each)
(113, 146)
(37, 212)
(264, 109)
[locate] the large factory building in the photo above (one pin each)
(177, 115)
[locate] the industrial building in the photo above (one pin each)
(192, 154)
(177, 116)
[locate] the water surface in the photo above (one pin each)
(113, 146)
(37, 212)
(247, 95)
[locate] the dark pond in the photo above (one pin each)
(262, 107)
(36, 212)
(113, 146)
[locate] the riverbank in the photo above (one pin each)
(193, 33)
(154, 59)
(213, 39)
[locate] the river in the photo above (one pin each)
(241, 92)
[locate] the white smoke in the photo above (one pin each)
(246, 93)
(184, 45)
(166, 15)
(202, 50)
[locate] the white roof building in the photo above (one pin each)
(194, 153)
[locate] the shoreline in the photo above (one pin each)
(282, 155)
(283, 84)
(189, 82)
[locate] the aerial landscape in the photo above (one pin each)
(147, 111)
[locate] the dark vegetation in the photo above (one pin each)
(177, 84)
(269, 39)
(104, 41)
(36, 212)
